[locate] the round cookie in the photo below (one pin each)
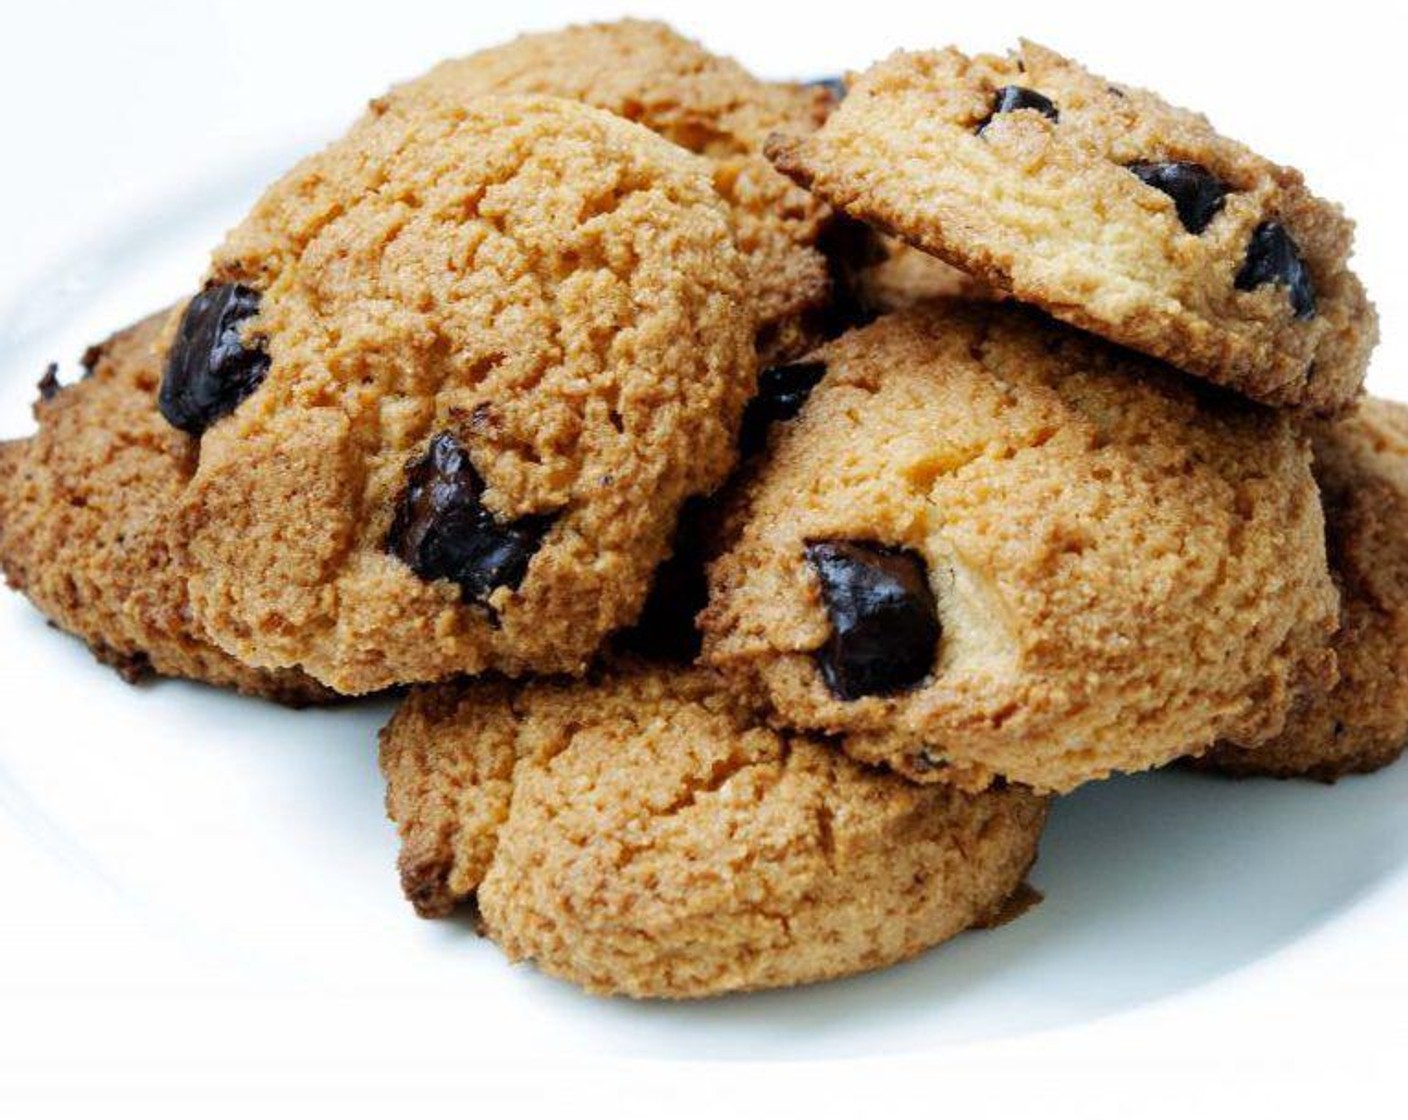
(644, 834)
(85, 520)
(467, 365)
(1106, 207)
(712, 106)
(993, 546)
(1361, 724)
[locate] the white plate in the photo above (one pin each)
(192, 875)
(257, 834)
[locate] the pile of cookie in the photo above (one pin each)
(773, 492)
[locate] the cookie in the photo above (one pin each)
(468, 363)
(1362, 723)
(710, 105)
(85, 515)
(1106, 207)
(991, 546)
(906, 277)
(644, 834)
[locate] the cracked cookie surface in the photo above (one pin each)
(1106, 207)
(1123, 565)
(506, 340)
(648, 73)
(1361, 724)
(644, 833)
(85, 519)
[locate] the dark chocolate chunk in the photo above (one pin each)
(782, 390)
(884, 622)
(210, 370)
(1196, 192)
(1274, 258)
(49, 386)
(1009, 99)
(91, 357)
(442, 530)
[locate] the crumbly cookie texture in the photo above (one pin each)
(505, 341)
(1362, 723)
(1106, 207)
(85, 517)
(993, 546)
(712, 106)
(645, 834)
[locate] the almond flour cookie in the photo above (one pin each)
(905, 277)
(710, 105)
(993, 546)
(459, 371)
(85, 518)
(1108, 208)
(1362, 724)
(644, 834)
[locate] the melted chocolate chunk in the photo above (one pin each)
(49, 386)
(1009, 99)
(884, 621)
(782, 390)
(443, 531)
(1274, 258)
(1196, 192)
(210, 370)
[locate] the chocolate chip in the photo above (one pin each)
(1009, 99)
(1196, 192)
(835, 86)
(442, 530)
(49, 386)
(1274, 258)
(884, 621)
(210, 370)
(91, 357)
(782, 390)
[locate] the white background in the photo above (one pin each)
(196, 899)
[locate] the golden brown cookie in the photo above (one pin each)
(645, 834)
(85, 519)
(480, 355)
(647, 72)
(1106, 207)
(990, 545)
(905, 277)
(1361, 724)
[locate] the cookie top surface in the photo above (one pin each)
(1106, 207)
(503, 343)
(85, 513)
(710, 105)
(1361, 724)
(991, 545)
(643, 833)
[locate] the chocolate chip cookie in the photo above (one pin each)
(473, 358)
(1361, 724)
(989, 545)
(85, 518)
(712, 106)
(644, 833)
(1108, 208)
